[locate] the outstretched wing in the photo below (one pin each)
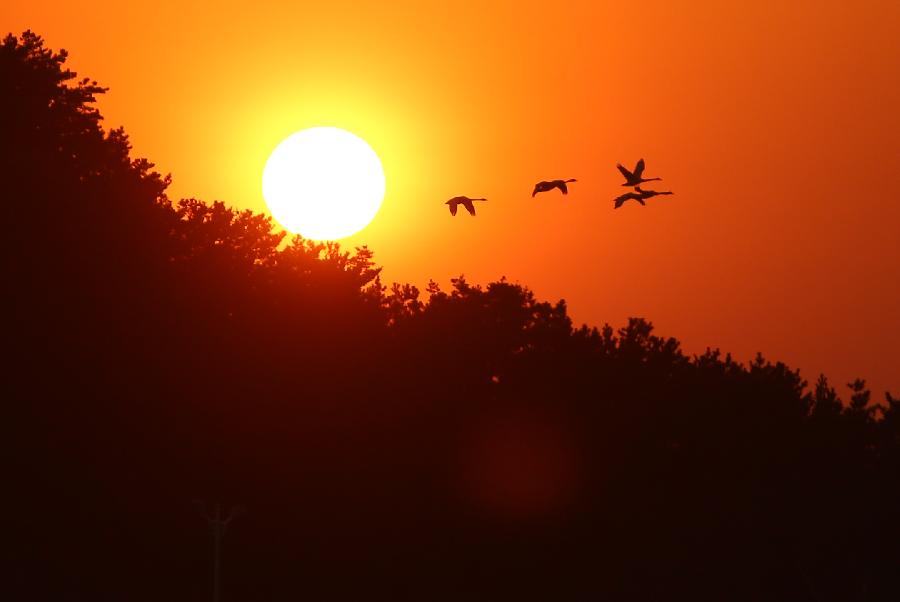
(619, 200)
(470, 207)
(453, 207)
(562, 186)
(639, 169)
(628, 175)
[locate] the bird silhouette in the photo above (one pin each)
(633, 179)
(464, 201)
(639, 195)
(545, 186)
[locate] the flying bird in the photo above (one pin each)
(465, 201)
(639, 195)
(633, 179)
(545, 186)
(620, 200)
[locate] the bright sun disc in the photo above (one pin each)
(323, 183)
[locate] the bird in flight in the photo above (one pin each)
(545, 186)
(465, 201)
(639, 195)
(635, 178)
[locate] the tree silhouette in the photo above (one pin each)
(469, 443)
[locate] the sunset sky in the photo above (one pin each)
(777, 125)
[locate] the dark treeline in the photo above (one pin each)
(468, 444)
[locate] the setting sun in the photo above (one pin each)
(323, 183)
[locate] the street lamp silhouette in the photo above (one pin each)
(218, 524)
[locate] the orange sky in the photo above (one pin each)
(776, 126)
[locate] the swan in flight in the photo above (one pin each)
(634, 178)
(465, 201)
(639, 195)
(545, 186)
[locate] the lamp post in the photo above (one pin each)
(218, 524)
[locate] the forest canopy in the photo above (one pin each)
(468, 443)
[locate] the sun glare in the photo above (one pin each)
(323, 183)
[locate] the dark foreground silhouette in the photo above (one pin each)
(468, 444)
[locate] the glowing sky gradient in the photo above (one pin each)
(776, 124)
